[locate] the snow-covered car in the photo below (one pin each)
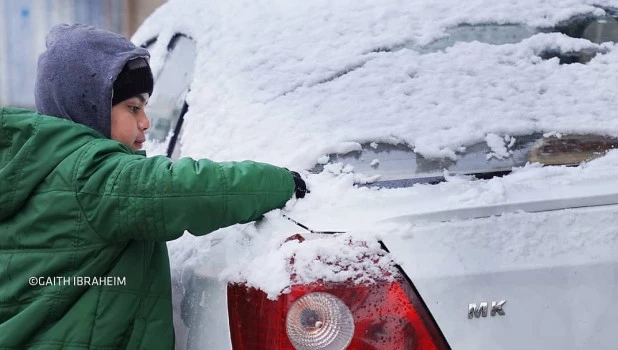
(460, 160)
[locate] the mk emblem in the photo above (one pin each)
(476, 311)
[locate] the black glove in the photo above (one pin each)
(300, 187)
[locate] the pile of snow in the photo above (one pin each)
(316, 75)
(259, 256)
(288, 82)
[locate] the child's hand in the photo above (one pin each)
(300, 187)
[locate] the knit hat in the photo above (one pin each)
(134, 79)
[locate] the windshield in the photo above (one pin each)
(390, 165)
(595, 29)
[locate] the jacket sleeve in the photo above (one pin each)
(126, 196)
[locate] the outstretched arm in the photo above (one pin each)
(125, 196)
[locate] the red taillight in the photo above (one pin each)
(386, 315)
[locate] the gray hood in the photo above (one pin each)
(76, 74)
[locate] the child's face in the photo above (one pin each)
(129, 121)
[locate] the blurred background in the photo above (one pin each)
(25, 23)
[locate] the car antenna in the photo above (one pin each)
(310, 230)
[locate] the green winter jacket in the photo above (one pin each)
(74, 204)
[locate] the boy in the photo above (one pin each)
(79, 200)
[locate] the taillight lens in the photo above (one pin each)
(386, 315)
(319, 321)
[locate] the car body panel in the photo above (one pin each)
(560, 288)
(204, 322)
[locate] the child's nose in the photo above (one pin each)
(144, 123)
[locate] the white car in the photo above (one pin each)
(464, 186)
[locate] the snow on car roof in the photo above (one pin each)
(318, 74)
(288, 82)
